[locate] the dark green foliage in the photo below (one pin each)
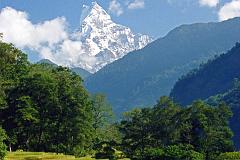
(49, 111)
(139, 78)
(104, 129)
(3, 147)
(216, 76)
(43, 107)
(231, 98)
(136, 130)
(13, 64)
(182, 152)
(168, 131)
(229, 156)
(174, 152)
(107, 152)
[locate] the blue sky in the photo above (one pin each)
(43, 28)
(155, 18)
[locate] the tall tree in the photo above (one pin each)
(3, 147)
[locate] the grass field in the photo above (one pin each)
(41, 156)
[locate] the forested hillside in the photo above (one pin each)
(216, 76)
(139, 78)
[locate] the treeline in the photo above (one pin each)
(170, 132)
(45, 108)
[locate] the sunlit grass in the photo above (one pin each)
(41, 156)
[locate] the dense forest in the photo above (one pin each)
(216, 76)
(46, 108)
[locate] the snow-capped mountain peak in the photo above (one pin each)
(94, 14)
(103, 41)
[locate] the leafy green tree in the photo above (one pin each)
(49, 110)
(166, 130)
(136, 130)
(102, 111)
(162, 119)
(3, 147)
(206, 128)
(104, 129)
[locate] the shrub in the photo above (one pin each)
(229, 156)
(182, 152)
(154, 153)
(3, 147)
(106, 153)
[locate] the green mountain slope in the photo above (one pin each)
(214, 77)
(139, 78)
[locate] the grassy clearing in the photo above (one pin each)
(41, 156)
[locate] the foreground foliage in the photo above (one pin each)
(168, 131)
(3, 147)
(229, 156)
(47, 109)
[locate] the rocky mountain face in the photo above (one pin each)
(104, 41)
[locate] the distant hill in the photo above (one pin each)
(215, 77)
(139, 78)
(83, 73)
(46, 61)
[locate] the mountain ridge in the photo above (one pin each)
(79, 71)
(139, 78)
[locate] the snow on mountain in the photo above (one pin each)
(102, 40)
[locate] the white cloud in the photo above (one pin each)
(209, 3)
(136, 4)
(115, 7)
(229, 10)
(17, 29)
(50, 39)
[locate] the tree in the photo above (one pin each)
(163, 120)
(136, 132)
(3, 147)
(49, 110)
(104, 129)
(206, 128)
(168, 131)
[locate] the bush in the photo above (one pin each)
(154, 153)
(3, 147)
(106, 153)
(182, 152)
(229, 156)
